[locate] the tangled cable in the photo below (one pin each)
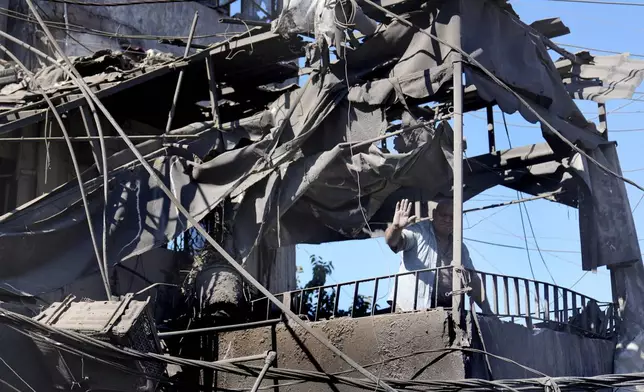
(349, 17)
(111, 355)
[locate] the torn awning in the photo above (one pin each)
(602, 78)
(606, 224)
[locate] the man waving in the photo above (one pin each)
(428, 244)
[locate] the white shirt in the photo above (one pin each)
(420, 251)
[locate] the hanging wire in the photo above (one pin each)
(111, 355)
(519, 195)
(473, 61)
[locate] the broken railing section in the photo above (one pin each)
(533, 303)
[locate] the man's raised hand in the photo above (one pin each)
(401, 216)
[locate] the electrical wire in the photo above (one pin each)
(598, 50)
(597, 19)
(502, 84)
(486, 218)
(507, 133)
(638, 203)
(526, 242)
(115, 356)
(579, 280)
(538, 127)
(501, 245)
(537, 245)
(520, 196)
(555, 255)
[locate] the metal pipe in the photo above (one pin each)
(518, 201)
(267, 363)
(212, 83)
(243, 22)
(457, 233)
(177, 89)
(27, 46)
(91, 132)
(223, 328)
(153, 285)
(248, 358)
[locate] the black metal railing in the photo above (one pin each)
(532, 303)
(541, 304)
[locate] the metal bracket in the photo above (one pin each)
(125, 302)
(60, 309)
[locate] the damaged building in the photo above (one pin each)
(153, 192)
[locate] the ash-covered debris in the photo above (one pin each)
(104, 66)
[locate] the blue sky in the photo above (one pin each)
(556, 227)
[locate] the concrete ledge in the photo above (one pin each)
(550, 352)
(367, 340)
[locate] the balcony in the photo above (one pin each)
(531, 303)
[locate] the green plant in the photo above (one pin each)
(321, 270)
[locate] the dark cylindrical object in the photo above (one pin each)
(220, 290)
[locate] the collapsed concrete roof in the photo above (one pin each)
(290, 155)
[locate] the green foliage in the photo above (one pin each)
(321, 270)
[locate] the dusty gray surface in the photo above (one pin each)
(22, 363)
(219, 284)
(553, 353)
(366, 340)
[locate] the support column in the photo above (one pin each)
(457, 262)
(490, 129)
(214, 108)
(603, 128)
